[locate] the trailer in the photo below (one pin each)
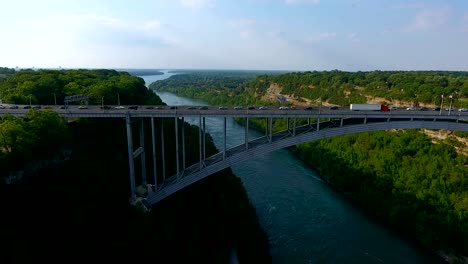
(368, 107)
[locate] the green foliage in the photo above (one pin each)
(80, 207)
(402, 177)
(44, 86)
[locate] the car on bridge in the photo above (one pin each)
(333, 107)
(308, 108)
(105, 107)
(133, 107)
(463, 110)
(2, 107)
(283, 108)
(223, 108)
(82, 107)
(238, 107)
(263, 108)
(203, 108)
(149, 107)
(251, 107)
(27, 107)
(13, 107)
(119, 107)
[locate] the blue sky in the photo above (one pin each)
(301, 35)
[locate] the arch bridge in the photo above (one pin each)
(319, 125)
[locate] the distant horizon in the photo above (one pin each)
(214, 69)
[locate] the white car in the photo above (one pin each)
(284, 108)
(82, 107)
(238, 107)
(263, 108)
(463, 110)
(2, 107)
(411, 108)
(119, 107)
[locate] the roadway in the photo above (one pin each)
(231, 111)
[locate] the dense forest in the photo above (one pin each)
(65, 185)
(45, 86)
(407, 179)
(335, 87)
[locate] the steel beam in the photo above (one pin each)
(224, 147)
(153, 140)
(246, 133)
(131, 165)
(142, 155)
(183, 144)
(176, 120)
(200, 143)
(163, 156)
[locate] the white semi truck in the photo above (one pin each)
(368, 107)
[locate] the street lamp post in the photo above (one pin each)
(55, 99)
(30, 104)
(450, 106)
(102, 102)
(118, 99)
(441, 104)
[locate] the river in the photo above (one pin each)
(306, 220)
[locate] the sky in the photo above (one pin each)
(294, 35)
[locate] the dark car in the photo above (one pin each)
(134, 107)
(251, 107)
(36, 107)
(13, 107)
(333, 107)
(173, 107)
(203, 107)
(436, 109)
(309, 108)
(64, 107)
(149, 107)
(105, 107)
(191, 107)
(27, 107)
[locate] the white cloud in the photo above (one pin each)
(320, 37)
(197, 4)
(353, 37)
(289, 2)
(428, 19)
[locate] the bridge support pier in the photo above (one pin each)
(341, 122)
(176, 121)
(153, 141)
(163, 156)
(131, 164)
(183, 144)
(224, 136)
(294, 127)
(318, 123)
(133, 154)
(142, 154)
(246, 133)
(271, 129)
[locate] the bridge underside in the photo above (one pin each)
(290, 137)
